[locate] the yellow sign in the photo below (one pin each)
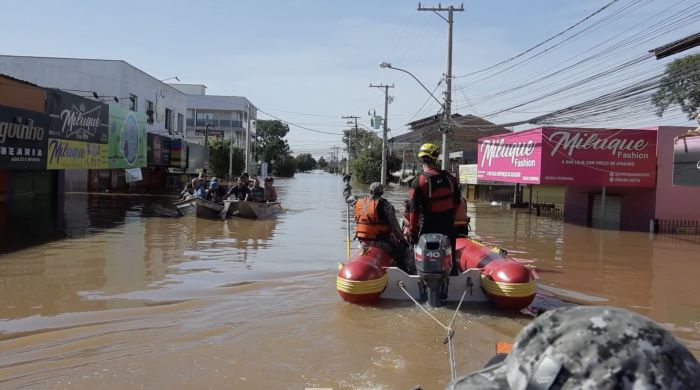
(68, 154)
(467, 174)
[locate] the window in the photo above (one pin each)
(168, 119)
(149, 111)
(133, 102)
(180, 120)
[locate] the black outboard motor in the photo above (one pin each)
(434, 264)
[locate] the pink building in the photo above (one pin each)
(611, 175)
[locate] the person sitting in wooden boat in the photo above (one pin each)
(214, 194)
(188, 191)
(270, 191)
(239, 192)
(257, 193)
(376, 223)
(246, 179)
(199, 190)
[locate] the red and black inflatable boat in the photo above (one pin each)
(484, 273)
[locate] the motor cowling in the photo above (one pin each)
(433, 254)
(434, 263)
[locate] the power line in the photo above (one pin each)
(295, 125)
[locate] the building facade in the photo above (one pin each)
(229, 118)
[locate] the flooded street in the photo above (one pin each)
(133, 297)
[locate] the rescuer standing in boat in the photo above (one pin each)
(434, 199)
(376, 223)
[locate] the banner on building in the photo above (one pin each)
(196, 156)
(467, 174)
(78, 132)
(127, 138)
(23, 136)
(158, 152)
(132, 175)
(560, 156)
(178, 153)
(686, 162)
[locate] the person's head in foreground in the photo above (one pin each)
(590, 347)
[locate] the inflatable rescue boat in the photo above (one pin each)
(483, 274)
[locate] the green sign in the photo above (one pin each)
(127, 138)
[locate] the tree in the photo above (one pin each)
(219, 158)
(284, 167)
(322, 163)
(366, 167)
(271, 144)
(305, 162)
(366, 156)
(680, 85)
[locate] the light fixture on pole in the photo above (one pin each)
(445, 153)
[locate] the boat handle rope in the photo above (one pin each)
(448, 328)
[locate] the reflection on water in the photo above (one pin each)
(129, 296)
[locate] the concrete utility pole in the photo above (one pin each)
(386, 120)
(347, 165)
(446, 127)
(247, 140)
(335, 159)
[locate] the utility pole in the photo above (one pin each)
(230, 156)
(347, 165)
(206, 145)
(386, 120)
(247, 139)
(335, 159)
(446, 127)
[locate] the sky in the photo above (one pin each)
(310, 62)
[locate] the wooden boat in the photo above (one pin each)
(255, 210)
(230, 208)
(200, 207)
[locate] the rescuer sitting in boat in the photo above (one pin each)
(589, 347)
(376, 223)
(434, 200)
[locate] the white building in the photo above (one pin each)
(231, 118)
(134, 89)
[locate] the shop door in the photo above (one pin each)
(611, 215)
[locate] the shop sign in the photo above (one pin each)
(127, 138)
(513, 158)
(686, 162)
(78, 132)
(23, 136)
(467, 174)
(158, 152)
(595, 157)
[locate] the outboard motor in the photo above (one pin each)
(434, 264)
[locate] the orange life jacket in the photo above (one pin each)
(369, 224)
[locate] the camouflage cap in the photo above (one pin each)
(590, 347)
(376, 189)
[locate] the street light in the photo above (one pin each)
(388, 66)
(445, 154)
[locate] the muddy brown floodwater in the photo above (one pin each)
(139, 299)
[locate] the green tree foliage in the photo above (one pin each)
(219, 158)
(366, 152)
(366, 167)
(680, 86)
(284, 167)
(271, 144)
(358, 140)
(322, 163)
(305, 162)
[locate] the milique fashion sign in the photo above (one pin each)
(78, 133)
(22, 139)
